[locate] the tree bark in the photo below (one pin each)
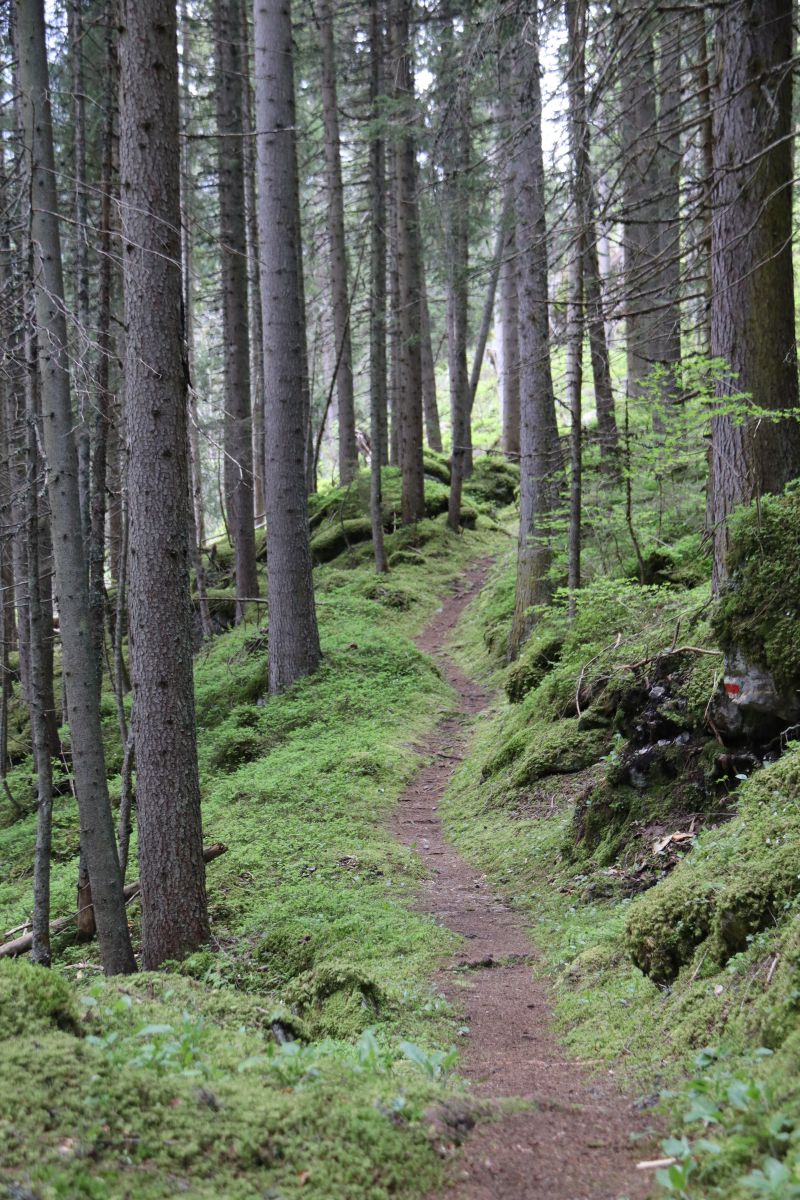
(455, 164)
(97, 832)
(337, 252)
(430, 407)
(293, 637)
(753, 317)
(255, 317)
(105, 345)
(42, 697)
(197, 530)
(640, 181)
(235, 330)
(377, 308)
(539, 452)
(408, 273)
(174, 912)
(586, 234)
(75, 37)
(509, 344)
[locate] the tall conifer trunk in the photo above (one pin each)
(172, 870)
(753, 315)
(83, 698)
(293, 637)
(539, 453)
(409, 381)
(235, 329)
(348, 454)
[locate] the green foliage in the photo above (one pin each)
(759, 609)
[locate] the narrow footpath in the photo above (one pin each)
(573, 1141)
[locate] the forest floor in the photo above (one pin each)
(574, 1136)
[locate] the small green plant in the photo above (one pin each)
(433, 1063)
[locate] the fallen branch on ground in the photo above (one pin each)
(22, 944)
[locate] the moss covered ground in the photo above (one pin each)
(665, 896)
(299, 1053)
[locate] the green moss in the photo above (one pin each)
(331, 540)
(436, 465)
(668, 923)
(493, 481)
(759, 609)
(33, 999)
(557, 748)
(540, 654)
(179, 1085)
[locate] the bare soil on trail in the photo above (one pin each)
(574, 1139)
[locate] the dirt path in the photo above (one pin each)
(574, 1143)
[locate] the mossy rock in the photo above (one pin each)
(493, 481)
(759, 608)
(539, 656)
(755, 900)
(548, 748)
(388, 594)
(666, 924)
(332, 540)
(33, 999)
(436, 466)
(337, 1000)
(406, 558)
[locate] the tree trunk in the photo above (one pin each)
(509, 307)
(235, 330)
(668, 346)
(377, 309)
(455, 164)
(640, 197)
(348, 452)
(408, 273)
(75, 37)
(697, 30)
(293, 637)
(753, 323)
(487, 315)
(174, 912)
(430, 407)
(197, 528)
(539, 456)
(586, 234)
(98, 481)
(255, 317)
(509, 342)
(97, 832)
(42, 696)
(393, 328)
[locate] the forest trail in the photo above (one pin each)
(574, 1142)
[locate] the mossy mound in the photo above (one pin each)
(494, 481)
(330, 541)
(668, 923)
(742, 878)
(759, 609)
(337, 998)
(549, 748)
(34, 1000)
(436, 465)
(540, 654)
(335, 505)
